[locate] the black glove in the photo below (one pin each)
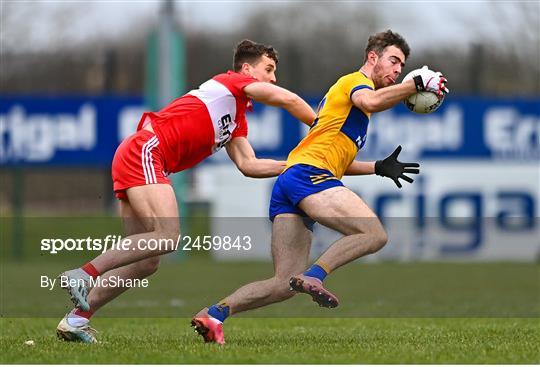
(392, 168)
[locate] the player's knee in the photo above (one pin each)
(379, 238)
(149, 266)
(168, 238)
(376, 235)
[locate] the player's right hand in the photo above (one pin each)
(431, 81)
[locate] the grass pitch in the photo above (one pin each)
(291, 341)
(390, 313)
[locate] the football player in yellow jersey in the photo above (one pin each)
(310, 188)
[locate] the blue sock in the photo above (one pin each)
(316, 271)
(219, 311)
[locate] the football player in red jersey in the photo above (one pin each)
(178, 137)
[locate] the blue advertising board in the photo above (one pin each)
(462, 128)
(61, 130)
(64, 131)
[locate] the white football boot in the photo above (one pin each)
(83, 334)
(77, 283)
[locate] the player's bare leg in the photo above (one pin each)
(132, 224)
(291, 242)
(155, 206)
(342, 210)
(74, 326)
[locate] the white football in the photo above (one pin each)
(421, 102)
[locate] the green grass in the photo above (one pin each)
(390, 313)
(179, 289)
(291, 341)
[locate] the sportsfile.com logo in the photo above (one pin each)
(117, 242)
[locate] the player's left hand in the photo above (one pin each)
(392, 168)
(431, 81)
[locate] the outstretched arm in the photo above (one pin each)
(389, 167)
(273, 95)
(243, 155)
(360, 168)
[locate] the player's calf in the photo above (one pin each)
(282, 291)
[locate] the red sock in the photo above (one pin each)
(85, 314)
(90, 270)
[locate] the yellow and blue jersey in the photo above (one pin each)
(339, 130)
(322, 157)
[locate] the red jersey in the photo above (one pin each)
(202, 121)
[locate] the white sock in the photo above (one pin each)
(214, 319)
(76, 320)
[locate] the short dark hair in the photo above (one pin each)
(250, 52)
(379, 41)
